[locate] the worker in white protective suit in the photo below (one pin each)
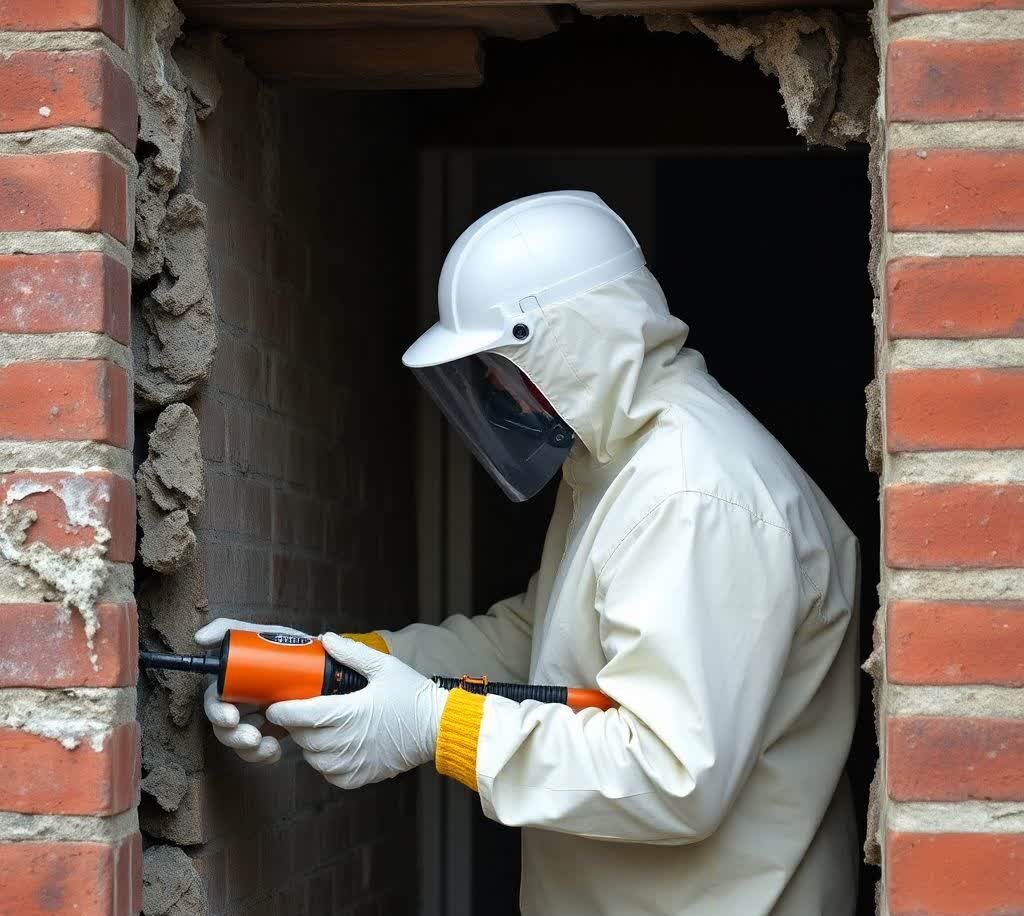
(691, 571)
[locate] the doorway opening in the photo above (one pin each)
(336, 498)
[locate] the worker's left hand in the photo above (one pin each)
(386, 728)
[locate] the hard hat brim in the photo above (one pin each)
(439, 345)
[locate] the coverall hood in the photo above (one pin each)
(597, 355)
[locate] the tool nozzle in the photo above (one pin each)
(200, 664)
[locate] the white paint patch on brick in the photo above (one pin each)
(71, 715)
(19, 585)
(949, 354)
(959, 817)
(77, 573)
(956, 467)
(956, 701)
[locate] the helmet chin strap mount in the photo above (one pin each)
(503, 412)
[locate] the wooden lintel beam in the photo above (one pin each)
(372, 59)
(523, 21)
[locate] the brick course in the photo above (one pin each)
(70, 409)
(953, 385)
(973, 297)
(48, 293)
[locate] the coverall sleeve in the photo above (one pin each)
(496, 644)
(698, 606)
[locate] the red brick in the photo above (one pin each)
(929, 409)
(63, 15)
(40, 89)
(899, 8)
(955, 80)
(66, 663)
(940, 525)
(949, 190)
(105, 498)
(83, 191)
(945, 642)
(63, 400)
(40, 776)
(955, 297)
(86, 879)
(46, 293)
(954, 759)
(955, 874)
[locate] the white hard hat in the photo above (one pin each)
(531, 252)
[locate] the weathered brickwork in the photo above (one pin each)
(950, 639)
(69, 743)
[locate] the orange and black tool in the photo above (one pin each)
(265, 668)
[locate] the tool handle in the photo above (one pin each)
(576, 698)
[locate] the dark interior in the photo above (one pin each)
(760, 243)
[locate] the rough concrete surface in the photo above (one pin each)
(171, 884)
(170, 490)
(173, 330)
(873, 426)
(824, 62)
(171, 608)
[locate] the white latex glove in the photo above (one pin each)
(240, 728)
(386, 728)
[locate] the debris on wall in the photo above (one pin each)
(873, 426)
(173, 330)
(170, 490)
(824, 62)
(173, 341)
(171, 885)
(74, 576)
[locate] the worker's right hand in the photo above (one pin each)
(240, 728)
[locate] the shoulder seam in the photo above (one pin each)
(717, 498)
(665, 499)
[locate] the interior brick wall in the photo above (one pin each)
(309, 467)
(950, 359)
(69, 745)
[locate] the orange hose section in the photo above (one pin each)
(578, 698)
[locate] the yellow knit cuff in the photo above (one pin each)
(373, 640)
(458, 735)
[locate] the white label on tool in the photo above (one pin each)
(286, 639)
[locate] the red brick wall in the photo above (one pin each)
(305, 425)
(952, 368)
(69, 748)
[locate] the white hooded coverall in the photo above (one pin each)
(695, 574)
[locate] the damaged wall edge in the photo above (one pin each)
(173, 342)
(824, 62)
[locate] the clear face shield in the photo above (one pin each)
(503, 419)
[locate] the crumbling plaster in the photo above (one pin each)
(173, 341)
(824, 62)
